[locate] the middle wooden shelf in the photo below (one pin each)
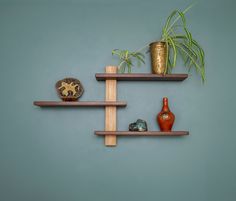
(111, 103)
(80, 103)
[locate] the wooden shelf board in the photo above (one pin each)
(140, 77)
(80, 103)
(146, 133)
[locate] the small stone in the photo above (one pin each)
(139, 125)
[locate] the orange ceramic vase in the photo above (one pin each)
(165, 118)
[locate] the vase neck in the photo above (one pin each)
(165, 106)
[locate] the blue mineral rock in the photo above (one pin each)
(139, 125)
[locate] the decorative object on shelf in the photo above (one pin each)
(158, 51)
(139, 125)
(175, 40)
(165, 118)
(69, 89)
(126, 59)
(111, 104)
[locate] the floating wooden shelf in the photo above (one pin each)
(146, 133)
(110, 103)
(80, 103)
(140, 77)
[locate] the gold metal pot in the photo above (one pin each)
(158, 52)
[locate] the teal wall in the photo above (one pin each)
(52, 154)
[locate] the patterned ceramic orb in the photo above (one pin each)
(69, 89)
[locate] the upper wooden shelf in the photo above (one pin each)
(145, 133)
(80, 103)
(140, 77)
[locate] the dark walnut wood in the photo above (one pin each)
(80, 103)
(146, 133)
(140, 77)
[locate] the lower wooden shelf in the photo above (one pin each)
(80, 103)
(146, 133)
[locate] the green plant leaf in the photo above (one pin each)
(200, 70)
(139, 58)
(115, 52)
(172, 44)
(177, 18)
(197, 46)
(168, 20)
(169, 65)
(126, 59)
(189, 36)
(167, 56)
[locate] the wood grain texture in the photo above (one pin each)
(141, 77)
(110, 111)
(146, 133)
(80, 103)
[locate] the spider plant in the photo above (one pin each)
(179, 41)
(127, 58)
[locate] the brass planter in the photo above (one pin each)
(158, 52)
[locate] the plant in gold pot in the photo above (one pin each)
(176, 40)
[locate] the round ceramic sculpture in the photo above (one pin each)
(69, 89)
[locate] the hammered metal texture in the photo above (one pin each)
(158, 57)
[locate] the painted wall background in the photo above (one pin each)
(53, 155)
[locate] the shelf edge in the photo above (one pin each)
(80, 103)
(146, 133)
(140, 77)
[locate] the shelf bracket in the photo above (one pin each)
(110, 111)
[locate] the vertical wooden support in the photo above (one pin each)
(110, 111)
